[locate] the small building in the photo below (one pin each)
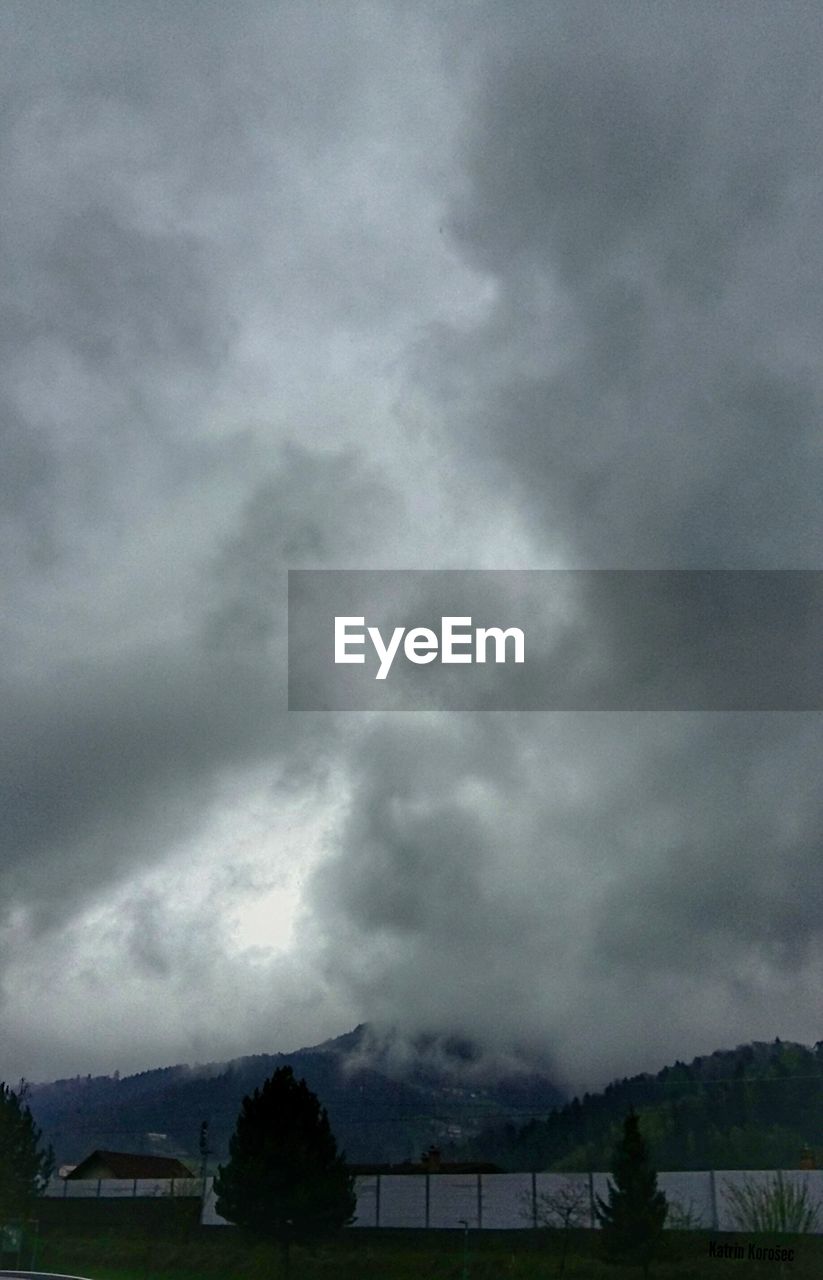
(122, 1164)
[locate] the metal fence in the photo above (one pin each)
(499, 1201)
(511, 1201)
(121, 1188)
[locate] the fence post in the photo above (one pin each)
(428, 1198)
(479, 1201)
(377, 1204)
(534, 1200)
(35, 1233)
(99, 1185)
(591, 1200)
(713, 1194)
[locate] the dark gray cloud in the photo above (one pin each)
(108, 760)
(395, 286)
(516, 875)
(639, 185)
(642, 187)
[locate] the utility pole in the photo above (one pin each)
(204, 1156)
(464, 1224)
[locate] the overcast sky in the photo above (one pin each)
(395, 285)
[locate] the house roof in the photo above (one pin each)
(125, 1165)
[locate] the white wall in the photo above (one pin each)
(506, 1199)
(106, 1188)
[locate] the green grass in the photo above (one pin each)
(219, 1254)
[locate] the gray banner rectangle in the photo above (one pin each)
(589, 640)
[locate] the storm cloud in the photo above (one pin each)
(392, 286)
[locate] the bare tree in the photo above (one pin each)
(683, 1217)
(563, 1209)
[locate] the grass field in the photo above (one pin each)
(363, 1255)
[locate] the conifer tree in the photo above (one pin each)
(632, 1218)
(25, 1166)
(285, 1179)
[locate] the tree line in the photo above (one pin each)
(754, 1107)
(287, 1182)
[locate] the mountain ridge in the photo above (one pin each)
(387, 1096)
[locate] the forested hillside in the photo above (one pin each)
(380, 1108)
(753, 1107)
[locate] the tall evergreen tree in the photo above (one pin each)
(25, 1166)
(285, 1179)
(632, 1218)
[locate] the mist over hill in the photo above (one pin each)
(390, 1096)
(387, 1096)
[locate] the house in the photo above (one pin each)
(122, 1164)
